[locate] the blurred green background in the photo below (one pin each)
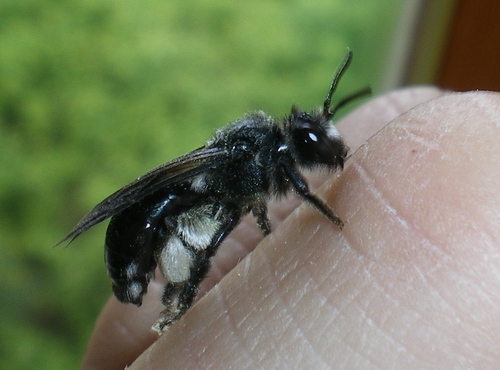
(94, 93)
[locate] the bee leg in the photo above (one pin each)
(259, 210)
(301, 189)
(179, 297)
(173, 310)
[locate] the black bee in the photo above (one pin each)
(176, 216)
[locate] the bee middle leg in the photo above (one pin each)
(259, 211)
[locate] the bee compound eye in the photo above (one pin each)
(309, 137)
(313, 147)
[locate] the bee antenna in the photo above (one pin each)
(333, 86)
(348, 99)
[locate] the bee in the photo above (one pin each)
(176, 216)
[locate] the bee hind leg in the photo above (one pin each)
(179, 297)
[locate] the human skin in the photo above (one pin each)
(412, 281)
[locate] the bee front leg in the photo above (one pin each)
(299, 185)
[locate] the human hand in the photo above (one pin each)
(411, 281)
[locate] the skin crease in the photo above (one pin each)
(412, 281)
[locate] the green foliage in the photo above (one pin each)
(95, 93)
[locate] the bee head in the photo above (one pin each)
(314, 141)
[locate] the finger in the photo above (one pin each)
(407, 281)
(364, 122)
(123, 331)
(422, 208)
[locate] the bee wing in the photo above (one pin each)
(164, 176)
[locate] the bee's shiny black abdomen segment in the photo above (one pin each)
(129, 251)
(131, 242)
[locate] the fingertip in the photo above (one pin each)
(365, 121)
(123, 331)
